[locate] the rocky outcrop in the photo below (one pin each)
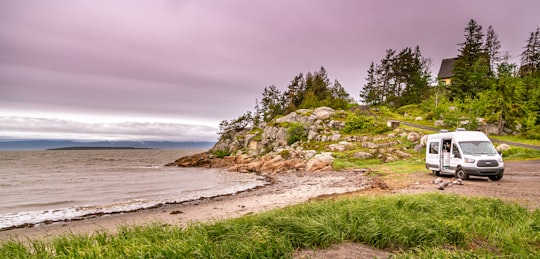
(265, 148)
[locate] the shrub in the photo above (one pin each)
(296, 132)
(357, 123)
(285, 154)
(222, 153)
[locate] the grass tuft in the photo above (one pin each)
(412, 226)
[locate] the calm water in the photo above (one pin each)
(36, 186)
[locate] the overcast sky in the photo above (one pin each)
(172, 70)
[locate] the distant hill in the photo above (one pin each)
(54, 144)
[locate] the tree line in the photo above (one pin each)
(484, 83)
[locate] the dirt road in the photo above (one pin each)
(521, 183)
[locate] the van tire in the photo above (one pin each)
(460, 174)
(436, 173)
(495, 177)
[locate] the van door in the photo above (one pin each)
(433, 154)
(455, 157)
(446, 155)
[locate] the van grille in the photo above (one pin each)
(487, 163)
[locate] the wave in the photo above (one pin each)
(35, 218)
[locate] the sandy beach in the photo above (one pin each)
(286, 189)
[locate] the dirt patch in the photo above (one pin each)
(521, 184)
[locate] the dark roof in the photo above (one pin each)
(447, 65)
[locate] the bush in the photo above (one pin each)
(296, 132)
(533, 133)
(357, 123)
(222, 153)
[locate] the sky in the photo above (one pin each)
(171, 70)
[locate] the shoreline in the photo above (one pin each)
(283, 190)
(268, 181)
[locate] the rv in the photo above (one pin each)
(463, 153)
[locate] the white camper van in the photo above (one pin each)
(463, 153)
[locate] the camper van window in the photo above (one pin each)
(477, 148)
(434, 148)
(455, 151)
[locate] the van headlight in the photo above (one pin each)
(469, 160)
(500, 160)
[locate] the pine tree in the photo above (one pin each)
(472, 68)
(273, 103)
(493, 48)
(369, 93)
(530, 57)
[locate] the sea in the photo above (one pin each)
(55, 185)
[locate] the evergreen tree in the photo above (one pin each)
(399, 79)
(273, 103)
(472, 67)
(369, 93)
(530, 57)
(493, 48)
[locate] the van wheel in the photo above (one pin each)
(460, 174)
(495, 177)
(436, 173)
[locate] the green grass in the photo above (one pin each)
(518, 154)
(522, 140)
(412, 226)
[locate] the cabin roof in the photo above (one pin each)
(447, 65)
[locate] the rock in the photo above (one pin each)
(370, 145)
(423, 141)
(362, 155)
(418, 148)
(324, 113)
(419, 118)
(319, 162)
(481, 120)
(413, 136)
(439, 123)
(402, 154)
(452, 108)
(502, 148)
(335, 137)
(389, 159)
(489, 129)
(464, 122)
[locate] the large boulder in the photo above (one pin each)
(320, 162)
(324, 113)
(502, 147)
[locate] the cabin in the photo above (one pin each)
(446, 72)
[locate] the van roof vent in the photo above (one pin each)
(460, 129)
(443, 131)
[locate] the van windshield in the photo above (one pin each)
(477, 148)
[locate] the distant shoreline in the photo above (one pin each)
(95, 148)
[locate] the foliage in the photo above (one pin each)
(518, 153)
(358, 123)
(238, 124)
(400, 78)
(412, 226)
(307, 91)
(296, 132)
(222, 153)
(530, 57)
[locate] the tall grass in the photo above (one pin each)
(424, 226)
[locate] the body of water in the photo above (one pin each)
(40, 186)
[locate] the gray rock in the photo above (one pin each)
(324, 113)
(362, 155)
